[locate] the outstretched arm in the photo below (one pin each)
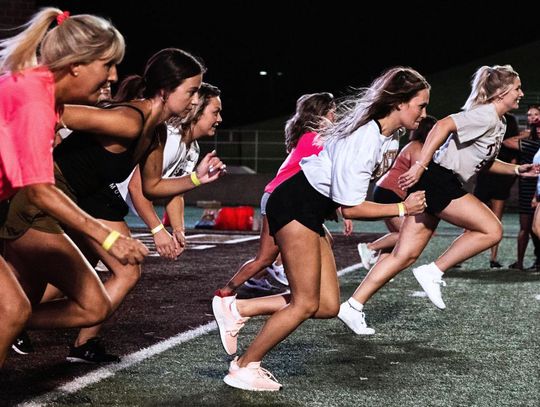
(121, 121)
(436, 137)
(413, 205)
(54, 202)
(175, 212)
(166, 246)
(154, 186)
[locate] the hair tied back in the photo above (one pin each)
(60, 18)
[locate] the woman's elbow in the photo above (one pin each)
(150, 192)
(347, 212)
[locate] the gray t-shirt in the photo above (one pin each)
(476, 142)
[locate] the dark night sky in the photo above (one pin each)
(307, 48)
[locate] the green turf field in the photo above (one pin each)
(483, 350)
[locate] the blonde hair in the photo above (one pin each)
(489, 83)
(79, 39)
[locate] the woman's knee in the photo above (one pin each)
(128, 274)
(15, 312)
(98, 311)
(495, 233)
(306, 309)
(328, 310)
(404, 259)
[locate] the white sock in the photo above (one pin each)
(436, 270)
(234, 310)
(355, 304)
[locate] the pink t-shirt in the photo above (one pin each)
(291, 165)
(27, 125)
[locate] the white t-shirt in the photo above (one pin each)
(479, 135)
(343, 169)
(177, 161)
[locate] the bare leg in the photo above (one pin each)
(304, 255)
(15, 309)
(57, 260)
(118, 285)
(497, 206)
(267, 253)
(523, 237)
(483, 230)
(388, 241)
(413, 238)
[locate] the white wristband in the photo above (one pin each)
(421, 165)
(516, 170)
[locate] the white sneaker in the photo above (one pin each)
(252, 377)
(278, 273)
(354, 319)
(259, 284)
(228, 324)
(430, 279)
(368, 257)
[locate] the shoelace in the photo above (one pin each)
(362, 315)
(265, 374)
(440, 281)
(238, 324)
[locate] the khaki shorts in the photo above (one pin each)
(22, 215)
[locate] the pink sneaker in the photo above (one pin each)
(252, 377)
(228, 324)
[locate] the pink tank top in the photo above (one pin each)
(291, 165)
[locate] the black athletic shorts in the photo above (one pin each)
(493, 186)
(385, 196)
(296, 199)
(442, 186)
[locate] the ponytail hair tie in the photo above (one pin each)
(60, 18)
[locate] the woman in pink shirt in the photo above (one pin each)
(78, 57)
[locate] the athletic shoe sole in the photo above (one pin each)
(231, 381)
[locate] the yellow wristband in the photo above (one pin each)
(157, 228)
(401, 209)
(516, 170)
(109, 240)
(195, 179)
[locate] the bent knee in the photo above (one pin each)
(495, 233)
(404, 259)
(307, 309)
(98, 311)
(327, 311)
(129, 275)
(16, 312)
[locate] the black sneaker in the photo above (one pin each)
(494, 264)
(23, 344)
(92, 351)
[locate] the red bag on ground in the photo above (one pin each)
(235, 218)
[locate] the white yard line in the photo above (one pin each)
(110, 370)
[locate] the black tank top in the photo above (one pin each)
(88, 167)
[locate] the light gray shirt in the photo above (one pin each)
(476, 142)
